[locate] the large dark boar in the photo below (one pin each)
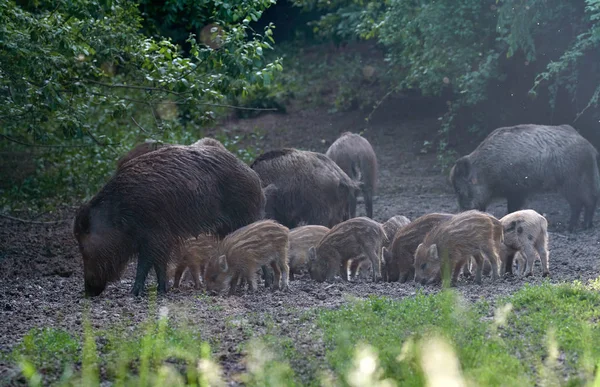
(303, 187)
(155, 202)
(514, 162)
(355, 155)
(355, 239)
(242, 252)
(468, 234)
(140, 149)
(398, 259)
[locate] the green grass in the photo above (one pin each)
(544, 335)
(551, 334)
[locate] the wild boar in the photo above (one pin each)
(398, 259)
(304, 187)
(359, 268)
(194, 256)
(154, 203)
(357, 238)
(301, 239)
(355, 156)
(140, 149)
(468, 234)
(244, 251)
(209, 141)
(515, 162)
(526, 232)
(393, 224)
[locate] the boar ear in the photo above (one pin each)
(222, 261)
(433, 252)
(312, 254)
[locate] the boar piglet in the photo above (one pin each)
(525, 232)
(304, 187)
(301, 239)
(515, 162)
(468, 234)
(156, 201)
(357, 238)
(356, 157)
(398, 259)
(392, 225)
(194, 255)
(244, 251)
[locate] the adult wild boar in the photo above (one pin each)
(526, 233)
(303, 187)
(398, 259)
(514, 162)
(468, 234)
(155, 202)
(301, 239)
(140, 149)
(242, 252)
(355, 239)
(355, 155)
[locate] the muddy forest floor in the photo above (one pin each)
(41, 282)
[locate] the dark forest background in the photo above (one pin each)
(81, 82)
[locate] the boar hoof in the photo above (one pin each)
(529, 274)
(546, 274)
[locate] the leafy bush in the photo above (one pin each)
(498, 62)
(80, 85)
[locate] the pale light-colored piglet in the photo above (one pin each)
(525, 232)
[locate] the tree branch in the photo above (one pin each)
(121, 86)
(42, 145)
(139, 126)
(31, 221)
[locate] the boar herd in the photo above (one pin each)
(200, 209)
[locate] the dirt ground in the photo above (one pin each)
(41, 282)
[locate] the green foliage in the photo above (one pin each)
(478, 54)
(516, 348)
(80, 85)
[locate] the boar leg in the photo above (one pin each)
(277, 275)
(542, 249)
(161, 276)
(368, 197)
(178, 274)
(374, 258)
(529, 254)
(507, 264)
(352, 206)
(456, 271)
(492, 256)
(467, 268)
(195, 271)
(479, 260)
(285, 273)
(355, 267)
(291, 275)
(267, 276)
(576, 207)
(588, 214)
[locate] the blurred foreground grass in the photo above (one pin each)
(542, 335)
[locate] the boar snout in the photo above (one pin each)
(93, 289)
